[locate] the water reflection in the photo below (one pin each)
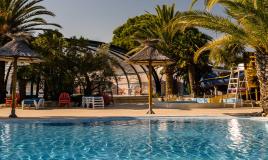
(234, 129)
(5, 133)
(5, 136)
(162, 126)
(266, 127)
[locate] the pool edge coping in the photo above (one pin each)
(97, 119)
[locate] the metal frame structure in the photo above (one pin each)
(121, 56)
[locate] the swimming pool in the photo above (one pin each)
(135, 138)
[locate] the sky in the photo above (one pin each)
(96, 19)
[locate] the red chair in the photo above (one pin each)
(9, 100)
(64, 99)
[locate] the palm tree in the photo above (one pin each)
(228, 55)
(173, 43)
(247, 25)
(20, 16)
(157, 29)
(23, 16)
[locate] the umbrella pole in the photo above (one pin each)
(150, 111)
(14, 83)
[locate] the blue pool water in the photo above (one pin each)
(135, 139)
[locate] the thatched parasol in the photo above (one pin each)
(150, 56)
(17, 50)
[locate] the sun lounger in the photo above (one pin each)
(38, 103)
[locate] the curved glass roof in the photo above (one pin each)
(129, 79)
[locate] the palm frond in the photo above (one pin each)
(24, 15)
(192, 4)
(208, 3)
(135, 50)
(225, 40)
(209, 21)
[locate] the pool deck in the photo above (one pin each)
(134, 110)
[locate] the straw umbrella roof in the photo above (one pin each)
(17, 50)
(149, 53)
(20, 49)
(150, 56)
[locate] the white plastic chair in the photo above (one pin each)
(98, 102)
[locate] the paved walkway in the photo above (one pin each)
(129, 110)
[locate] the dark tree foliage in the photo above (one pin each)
(68, 63)
(123, 35)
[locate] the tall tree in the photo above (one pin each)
(123, 35)
(20, 16)
(248, 27)
(174, 43)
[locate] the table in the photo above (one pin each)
(76, 99)
(92, 101)
(37, 102)
(87, 101)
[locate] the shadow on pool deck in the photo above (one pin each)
(253, 114)
(120, 106)
(142, 106)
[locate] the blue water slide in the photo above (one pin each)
(213, 80)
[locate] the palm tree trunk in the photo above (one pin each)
(7, 75)
(37, 86)
(169, 80)
(191, 74)
(22, 88)
(2, 82)
(180, 86)
(88, 90)
(46, 94)
(32, 87)
(262, 73)
(14, 83)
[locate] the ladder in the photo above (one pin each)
(236, 86)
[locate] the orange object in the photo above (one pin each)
(9, 100)
(64, 99)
